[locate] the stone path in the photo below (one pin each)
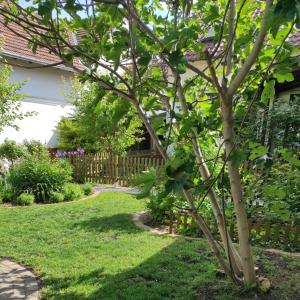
(17, 282)
(113, 188)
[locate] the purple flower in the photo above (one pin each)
(80, 151)
(58, 154)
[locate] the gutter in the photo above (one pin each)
(31, 60)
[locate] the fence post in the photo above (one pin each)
(116, 170)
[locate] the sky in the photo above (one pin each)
(162, 12)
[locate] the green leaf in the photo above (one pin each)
(290, 157)
(283, 72)
(274, 191)
(146, 182)
(286, 9)
(282, 77)
(45, 10)
(268, 92)
(236, 157)
(257, 150)
(68, 56)
(71, 6)
(171, 186)
(156, 72)
(174, 166)
(143, 62)
(178, 60)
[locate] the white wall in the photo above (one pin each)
(46, 91)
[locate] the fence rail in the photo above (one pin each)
(260, 230)
(106, 168)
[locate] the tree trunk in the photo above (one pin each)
(231, 252)
(236, 192)
(197, 217)
(202, 225)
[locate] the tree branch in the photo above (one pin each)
(243, 72)
(229, 51)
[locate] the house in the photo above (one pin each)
(46, 87)
(286, 94)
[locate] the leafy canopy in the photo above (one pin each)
(101, 122)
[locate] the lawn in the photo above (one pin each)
(91, 249)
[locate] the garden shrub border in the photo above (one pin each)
(94, 194)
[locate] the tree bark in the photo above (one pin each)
(230, 250)
(202, 225)
(232, 254)
(236, 192)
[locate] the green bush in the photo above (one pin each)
(40, 177)
(7, 196)
(56, 197)
(11, 151)
(72, 191)
(87, 188)
(274, 194)
(36, 149)
(24, 199)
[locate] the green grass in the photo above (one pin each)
(91, 249)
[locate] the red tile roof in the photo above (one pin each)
(16, 46)
(294, 38)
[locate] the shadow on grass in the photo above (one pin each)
(118, 222)
(183, 270)
(176, 272)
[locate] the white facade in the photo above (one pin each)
(46, 92)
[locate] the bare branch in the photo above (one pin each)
(199, 72)
(214, 76)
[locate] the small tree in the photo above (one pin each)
(10, 100)
(11, 151)
(101, 122)
(141, 53)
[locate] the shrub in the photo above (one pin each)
(24, 199)
(11, 151)
(40, 177)
(36, 149)
(87, 188)
(7, 196)
(275, 194)
(56, 197)
(72, 191)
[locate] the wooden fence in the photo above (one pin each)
(106, 168)
(260, 230)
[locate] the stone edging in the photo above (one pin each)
(141, 217)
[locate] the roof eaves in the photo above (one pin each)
(36, 61)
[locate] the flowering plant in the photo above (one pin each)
(64, 154)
